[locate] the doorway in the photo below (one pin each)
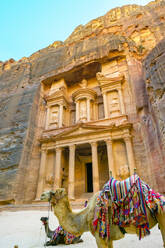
(89, 177)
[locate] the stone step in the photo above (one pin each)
(39, 205)
(10, 207)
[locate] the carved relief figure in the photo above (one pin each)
(123, 172)
(83, 110)
(54, 114)
(114, 106)
(83, 83)
(49, 179)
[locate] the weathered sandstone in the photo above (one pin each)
(127, 40)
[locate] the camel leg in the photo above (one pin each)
(161, 221)
(110, 244)
(102, 243)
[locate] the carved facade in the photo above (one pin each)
(87, 132)
(74, 111)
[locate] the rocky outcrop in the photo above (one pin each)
(154, 72)
(131, 30)
(154, 66)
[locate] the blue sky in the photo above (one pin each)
(29, 25)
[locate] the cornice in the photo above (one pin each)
(102, 128)
(102, 79)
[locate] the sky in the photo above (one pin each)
(29, 25)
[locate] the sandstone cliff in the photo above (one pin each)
(132, 30)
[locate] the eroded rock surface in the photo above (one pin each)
(132, 31)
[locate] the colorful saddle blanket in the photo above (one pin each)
(125, 204)
(68, 237)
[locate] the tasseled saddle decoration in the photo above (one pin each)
(123, 204)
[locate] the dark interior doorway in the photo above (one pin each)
(89, 177)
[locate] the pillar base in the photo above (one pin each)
(72, 198)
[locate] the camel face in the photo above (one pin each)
(59, 193)
(46, 196)
(44, 220)
(53, 196)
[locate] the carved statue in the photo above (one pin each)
(83, 83)
(49, 179)
(123, 172)
(114, 107)
(54, 114)
(83, 110)
(100, 76)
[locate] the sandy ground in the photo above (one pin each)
(24, 228)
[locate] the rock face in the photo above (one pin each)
(133, 32)
(154, 71)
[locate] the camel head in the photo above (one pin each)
(54, 196)
(44, 220)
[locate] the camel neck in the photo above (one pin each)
(73, 222)
(48, 232)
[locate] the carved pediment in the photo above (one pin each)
(84, 93)
(79, 130)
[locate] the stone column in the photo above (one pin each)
(47, 118)
(111, 164)
(57, 175)
(54, 168)
(88, 109)
(96, 116)
(130, 154)
(122, 107)
(61, 115)
(71, 183)
(95, 168)
(105, 105)
(77, 111)
(41, 173)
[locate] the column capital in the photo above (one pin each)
(127, 138)
(108, 141)
(72, 147)
(104, 92)
(93, 143)
(44, 149)
(58, 148)
(51, 149)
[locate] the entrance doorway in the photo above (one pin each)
(89, 177)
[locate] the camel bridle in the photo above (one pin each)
(54, 198)
(51, 199)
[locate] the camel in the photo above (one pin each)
(60, 238)
(79, 222)
(49, 233)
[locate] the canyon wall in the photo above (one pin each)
(135, 32)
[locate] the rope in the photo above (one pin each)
(49, 207)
